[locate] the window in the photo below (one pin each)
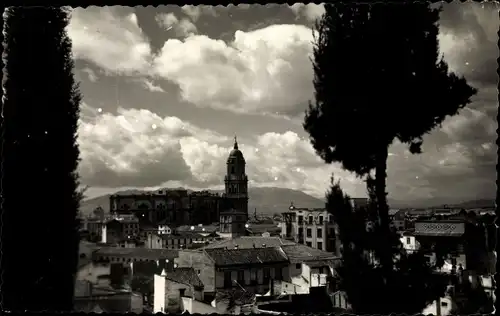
(311, 219)
(266, 275)
(182, 292)
(298, 266)
(232, 170)
(330, 219)
(309, 232)
(320, 245)
(301, 220)
(321, 220)
(319, 233)
(241, 277)
(331, 232)
(444, 304)
(253, 276)
(320, 270)
(308, 244)
(278, 274)
(408, 241)
(301, 232)
(227, 279)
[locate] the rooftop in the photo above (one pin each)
(139, 253)
(198, 228)
(180, 235)
(297, 253)
(184, 276)
(224, 257)
(247, 242)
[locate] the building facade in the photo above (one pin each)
(312, 227)
(119, 229)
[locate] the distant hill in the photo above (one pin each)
(480, 203)
(267, 200)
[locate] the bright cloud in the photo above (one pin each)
(139, 148)
(266, 70)
(310, 11)
(113, 42)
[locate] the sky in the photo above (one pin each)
(166, 89)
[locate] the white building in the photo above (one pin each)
(409, 242)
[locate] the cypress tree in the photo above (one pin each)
(40, 156)
(379, 78)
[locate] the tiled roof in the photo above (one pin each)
(185, 276)
(297, 253)
(223, 257)
(247, 242)
(318, 263)
(139, 253)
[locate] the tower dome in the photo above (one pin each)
(236, 153)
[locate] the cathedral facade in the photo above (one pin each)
(183, 207)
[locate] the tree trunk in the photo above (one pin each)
(382, 207)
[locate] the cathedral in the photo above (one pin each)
(181, 207)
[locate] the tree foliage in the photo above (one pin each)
(40, 156)
(409, 288)
(378, 77)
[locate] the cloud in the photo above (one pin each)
(112, 41)
(265, 70)
(310, 11)
(149, 85)
(182, 28)
(469, 41)
(137, 148)
(262, 71)
(194, 12)
(91, 74)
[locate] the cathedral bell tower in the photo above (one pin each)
(236, 181)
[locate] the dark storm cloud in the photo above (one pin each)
(479, 23)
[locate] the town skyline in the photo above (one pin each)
(150, 118)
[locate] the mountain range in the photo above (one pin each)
(271, 200)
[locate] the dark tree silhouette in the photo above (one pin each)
(472, 300)
(409, 288)
(40, 156)
(378, 78)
